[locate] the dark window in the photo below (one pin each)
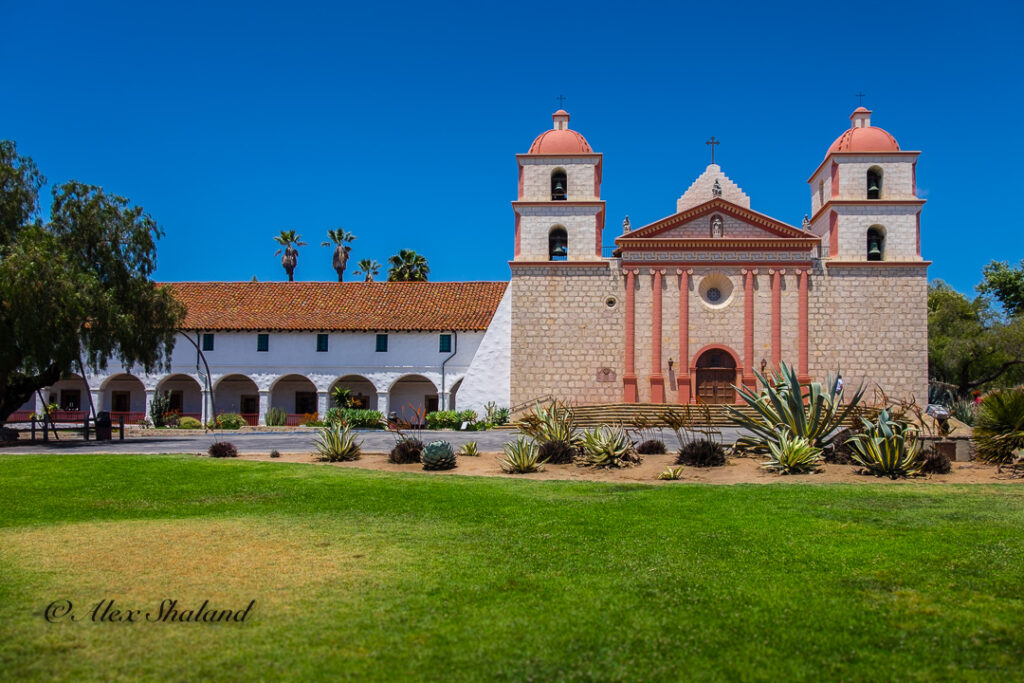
(321, 342)
(120, 401)
(70, 399)
(177, 398)
(305, 402)
(262, 342)
(382, 343)
(558, 245)
(446, 343)
(559, 185)
(208, 342)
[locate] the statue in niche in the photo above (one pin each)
(716, 189)
(717, 228)
(806, 223)
(625, 226)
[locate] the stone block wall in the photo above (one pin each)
(564, 333)
(897, 176)
(900, 227)
(580, 223)
(579, 173)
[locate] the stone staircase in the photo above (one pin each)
(626, 413)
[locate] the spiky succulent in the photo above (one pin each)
(672, 473)
(469, 449)
(438, 455)
(608, 447)
(887, 447)
(792, 456)
(337, 443)
(521, 457)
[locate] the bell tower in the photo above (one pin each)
(864, 201)
(559, 215)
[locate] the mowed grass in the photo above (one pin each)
(375, 575)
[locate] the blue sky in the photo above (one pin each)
(400, 122)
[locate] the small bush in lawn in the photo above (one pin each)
(672, 473)
(701, 453)
(651, 447)
(521, 457)
(558, 452)
(407, 450)
(469, 449)
(337, 443)
(275, 453)
(223, 449)
(936, 462)
(230, 421)
(275, 417)
(189, 423)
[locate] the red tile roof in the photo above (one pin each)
(345, 306)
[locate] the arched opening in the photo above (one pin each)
(452, 405)
(412, 397)
(361, 390)
(715, 376)
(124, 396)
(874, 183)
(876, 243)
(559, 185)
(185, 394)
(558, 244)
(238, 394)
(296, 396)
(71, 396)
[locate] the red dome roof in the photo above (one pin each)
(863, 137)
(560, 140)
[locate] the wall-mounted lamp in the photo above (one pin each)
(670, 362)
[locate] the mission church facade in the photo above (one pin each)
(687, 307)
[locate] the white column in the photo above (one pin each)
(446, 401)
(97, 401)
(382, 403)
(150, 395)
(264, 406)
(40, 406)
(322, 403)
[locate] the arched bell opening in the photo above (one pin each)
(558, 244)
(876, 243)
(559, 185)
(874, 183)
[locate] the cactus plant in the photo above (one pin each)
(438, 455)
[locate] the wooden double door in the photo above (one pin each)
(715, 377)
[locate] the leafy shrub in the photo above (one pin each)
(172, 419)
(442, 419)
(792, 456)
(558, 452)
(701, 453)
(312, 420)
(275, 417)
(783, 407)
(222, 449)
(495, 415)
(230, 421)
(337, 443)
(887, 448)
(999, 427)
(521, 457)
(334, 415)
(672, 472)
(275, 453)
(936, 462)
(651, 447)
(363, 419)
(189, 423)
(469, 449)
(608, 447)
(964, 410)
(438, 455)
(159, 408)
(407, 450)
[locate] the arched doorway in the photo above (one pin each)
(451, 395)
(715, 375)
(411, 397)
(185, 394)
(124, 396)
(238, 394)
(71, 396)
(364, 394)
(295, 395)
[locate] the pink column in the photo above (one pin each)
(776, 316)
(802, 373)
(683, 379)
(748, 328)
(629, 378)
(657, 379)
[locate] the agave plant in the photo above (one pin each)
(552, 423)
(608, 447)
(672, 472)
(438, 455)
(521, 457)
(336, 442)
(964, 410)
(999, 426)
(469, 449)
(792, 455)
(814, 412)
(887, 447)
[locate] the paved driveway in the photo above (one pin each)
(264, 442)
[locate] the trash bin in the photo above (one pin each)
(103, 426)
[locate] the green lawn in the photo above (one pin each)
(375, 575)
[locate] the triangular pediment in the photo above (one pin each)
(718, 219)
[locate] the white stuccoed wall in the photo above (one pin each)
(489, 376)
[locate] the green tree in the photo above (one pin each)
(408, 266)
(76, 287)
(969, 345)
(341, 239)
(289, 240)
(368, 268)
(1006, 284)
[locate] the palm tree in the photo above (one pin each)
(289, 240)
(341, 238)
(408, 266)
(368, 268)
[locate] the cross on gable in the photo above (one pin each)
(712, 142)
